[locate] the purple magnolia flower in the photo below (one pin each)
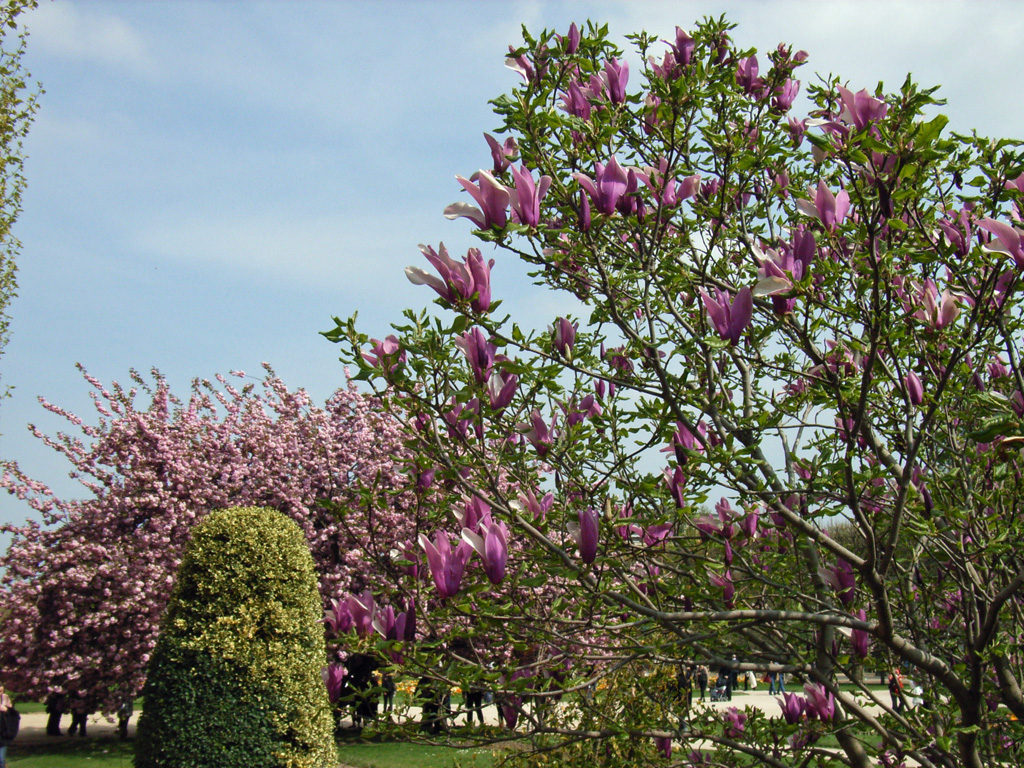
(935, 310)
(746, 76)
(785, 95)
(586, 534)
(682, 50)
(596, 88)
(362, 607)
(829, 209)
(618, 359)
(525, 198)
(840, 577)
(469, 281)
(520, 63)
(730, 318)
(563, 336)
(572, 39)
(860, 639)
(479, 352)
(490, 194)
(676, 481)
(685, 440)
(913, 387)
(749, 524)
(426, 479)
(501, 389)
(610, 185)
(492, 546)
(588, 407)
(384, 622)
(725, 583)
(537, 432)
(997, 368)
(664, 188)
(539, 509)
(664, 745)
(576, 102)
(779, 272)
(861, 108)
(446, 565)
(512, 701)
(387, 354)
(407, 552)
(958, 230)
(474, 511)
(616, 76)
(797, 129)
(677, 57)
(459, 417)
(655, 534)
(334, 679)
(793, 707)
(735, 723)
(667, 70)
(584, 217)
(706, 525)
(339, 618)
(502, 154)
(1007, 240)
(820, 703)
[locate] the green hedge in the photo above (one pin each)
(235, 680)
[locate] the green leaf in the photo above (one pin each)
(996, 426)
(460, 324)
(928, 132)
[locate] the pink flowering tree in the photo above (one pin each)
(83, 593)
(776, 323)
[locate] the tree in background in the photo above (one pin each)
(84, 592)
(17, 109)
(785, 322)
(235, 680)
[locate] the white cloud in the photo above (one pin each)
(71, 31)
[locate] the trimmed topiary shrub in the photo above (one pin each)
(235, 678)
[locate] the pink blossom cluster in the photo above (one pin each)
(84, 592)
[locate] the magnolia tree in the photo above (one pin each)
(83, 593)
(790, 322)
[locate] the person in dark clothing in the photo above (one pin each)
(896, 690)
(684, 686)
(78, 722)
(359, 692)
(431, 695)
(702, 681)
(124, 714)
(474, 703)
(56, 706)
(9, 722)
(80, 711)
(388, 684)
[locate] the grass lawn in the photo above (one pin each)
(403, 755)
(114, 753)
(86, 753)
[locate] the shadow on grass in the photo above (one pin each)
(356, 752)
(79, 753)
(463, 747)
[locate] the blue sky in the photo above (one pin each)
(209, 182)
